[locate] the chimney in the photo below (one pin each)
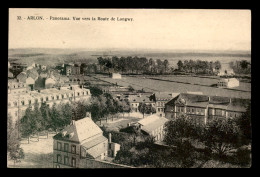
(209, 98)
(109, 138)
(73, 122)
(64, 133)
(88, 114)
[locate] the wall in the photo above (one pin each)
(89, 163)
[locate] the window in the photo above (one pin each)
(15, 103)
(47, 98)
(41, 99)
(78, 93)
(29, 101)
(188, 110)
(62, 96)
(83, 93)
(66, 147)
(73, 149)
(192, 110)
(66, 160)
(22, 103)
(58, 158)
(158, 109)
(57, 97)
(59, 146)
(73, 162)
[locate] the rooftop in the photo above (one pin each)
(152, 122)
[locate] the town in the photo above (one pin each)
(102, 115)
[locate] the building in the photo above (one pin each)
(116, 76)
(203, 108)
(22, 101)
(50, 82)
(72, 70)
(80, 140)
(136, 99)
(229, 83)
(161, 98)
(16, 87)
(153, 125)
(10, 75)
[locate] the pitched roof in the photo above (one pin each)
(139, 98)
(89, 144)
(81, 130)
(152, 122)
(22, 77)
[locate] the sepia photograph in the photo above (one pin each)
(129, 88)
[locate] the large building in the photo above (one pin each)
(161, 98)
(21, 101)
(203, 108)
(154, 126)
(15, 87)
(80, 140)
(135, 100)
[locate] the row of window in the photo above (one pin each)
(46, 98)
(160, 109)
(66, 147)
(160, 104)
(65, 161)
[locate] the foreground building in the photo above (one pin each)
(79, 141)
(203, 108)
(153, 125)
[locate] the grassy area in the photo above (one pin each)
(180, 86)
(38, 154)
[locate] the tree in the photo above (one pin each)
(244, 64)
(220, 136)
(146, 108)
(166, 65)
(13, 143)
(244, 123)
(130, 88)
(180, 129)
(26, 122)
(180, 65)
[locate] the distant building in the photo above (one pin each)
(154, 126)
(116, 76)
(50, 82)
(161, 98)
(229, 83)
(135, 100)
(80, 140)
(10, 75)
(15, 87)
(203, 108)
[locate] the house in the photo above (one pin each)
(10, 75)
(136, 99)
(203, 108)
(229, 83)
(50, 82)
(80, 140)
(153, 125)
(161, 98)
(16, 87)
(116, 76)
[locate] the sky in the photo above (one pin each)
(158, 29)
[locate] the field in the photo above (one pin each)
(180, 84)
(38, 154)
